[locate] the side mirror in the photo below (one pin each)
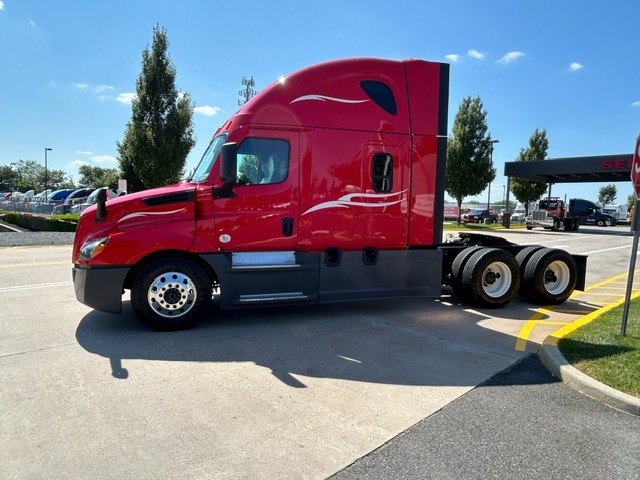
(229, 161)
(228, 170)
(101, 203)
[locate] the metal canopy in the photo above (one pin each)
(602, 168)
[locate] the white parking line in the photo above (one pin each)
(32, 287)
(607, 249)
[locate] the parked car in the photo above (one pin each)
(479, 216)
(92, 199)
(55, 198)
(518, 215)
(74, 198)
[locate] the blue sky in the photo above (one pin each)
(68, 69)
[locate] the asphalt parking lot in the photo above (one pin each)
(299, 392)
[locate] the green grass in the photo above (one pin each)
(598, 349)
(70, 217)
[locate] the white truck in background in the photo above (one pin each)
(619, 212)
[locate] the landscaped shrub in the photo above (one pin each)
(38, 223)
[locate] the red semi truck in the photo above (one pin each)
(327, 186)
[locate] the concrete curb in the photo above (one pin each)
(8, 227)
(559, 366)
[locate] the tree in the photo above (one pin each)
(98, 177)
(631, 200)
(527, 191)
(607, 194)
(247, 93)
(159, 136)
(469, 168)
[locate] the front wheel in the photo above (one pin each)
(170, 294)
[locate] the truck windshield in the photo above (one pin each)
(208, 159)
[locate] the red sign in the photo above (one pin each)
(635, 168)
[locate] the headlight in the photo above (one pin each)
(91, 249)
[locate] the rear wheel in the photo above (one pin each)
(456, 269)
(490, 278)
(550, 276)
(522, 258)
(170, 294)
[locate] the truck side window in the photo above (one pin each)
(382, 174)
(263, 161)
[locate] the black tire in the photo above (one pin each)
(456, 269)
(522, 258)
(601, 223)
(556, 225)
(170, 294)
(529, 228)
(549, 277)
(491, 278)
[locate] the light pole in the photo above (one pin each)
(492, 142)
(13, 181)
(46, 149)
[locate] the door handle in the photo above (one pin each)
(287, 226)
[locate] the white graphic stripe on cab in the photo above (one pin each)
(143, 214)
(324, 98)
(346, 201)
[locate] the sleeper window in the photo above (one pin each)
(382, 174)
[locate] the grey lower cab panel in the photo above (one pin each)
(268, 278)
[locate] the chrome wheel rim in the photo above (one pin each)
(172, 294)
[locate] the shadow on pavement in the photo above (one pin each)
(402, 342)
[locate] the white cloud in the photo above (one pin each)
(207, 110)
(104, 159)
(475, 54)
(103, 88)
(126, 97)
(575, 66)
(510, 57)
(78, 163)
(636, 104)
(452, 57)
(94, 159)
(81, 86)
(1, 5)
(84, 152)
(32, 23)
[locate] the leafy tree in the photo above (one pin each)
(607, 194)
(25, 175)
(159, 136)
(631, 200)
(8, 178)
(469, 169)
(98, 177)
(247, 93)
(528, 191)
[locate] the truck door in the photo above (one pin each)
(263, 214)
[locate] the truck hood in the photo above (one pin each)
(142, 214)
